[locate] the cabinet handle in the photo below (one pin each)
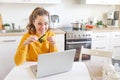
(8, 41)
(100, 36)
(82, 42)
(117, 35)
(116, 46)
(100, 47)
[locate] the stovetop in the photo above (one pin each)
(69, 29)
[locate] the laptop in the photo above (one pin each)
(53, 63)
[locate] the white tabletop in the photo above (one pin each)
(78, 72)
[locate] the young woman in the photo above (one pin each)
(38, 40)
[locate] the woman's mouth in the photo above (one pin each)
(41, 31)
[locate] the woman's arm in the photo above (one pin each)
(22, 49)
(21, 52)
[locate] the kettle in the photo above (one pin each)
(55, 20)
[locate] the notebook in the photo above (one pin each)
(53, 63)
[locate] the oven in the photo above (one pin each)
(76, 39)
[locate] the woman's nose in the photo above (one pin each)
(42, 26)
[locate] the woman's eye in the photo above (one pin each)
(39, 24)
(46, 23)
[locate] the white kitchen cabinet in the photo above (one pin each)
(8, 45)
(93, 1)
(48, 1)
(10, 1)
(101, 40)
(115, 43)
(60, 41)
(113, 2)
(105, 2)
(32, 1)
(109, 41)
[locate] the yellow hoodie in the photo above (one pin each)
(30, 52)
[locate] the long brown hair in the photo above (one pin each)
(38, 11)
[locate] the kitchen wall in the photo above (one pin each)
(69, 11)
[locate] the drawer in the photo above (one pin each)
(9, 38)
(101, 35)
(115, 35)
(101, 45)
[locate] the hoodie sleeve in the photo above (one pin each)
(21, 52)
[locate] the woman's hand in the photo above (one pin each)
(30, 39)
(52, 40)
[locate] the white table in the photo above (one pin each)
(78, 72)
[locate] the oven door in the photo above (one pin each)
(77, 45)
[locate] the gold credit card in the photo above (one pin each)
(41, 39)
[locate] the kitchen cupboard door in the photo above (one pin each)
(101, 45)
(32, 1)
(114, 2)
(10, 1)
(104, 2)
(101, 40)
(60, 41)
(48, 1)
(93, 1)
(115, 47)
(115, 43)
(41, 1)
(101, 36)
(8, 46)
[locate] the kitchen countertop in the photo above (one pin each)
(57, 31)
(12, 34)
(105, 29)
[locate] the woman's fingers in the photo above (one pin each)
(30, 39)
(33, 38)
(52, 40)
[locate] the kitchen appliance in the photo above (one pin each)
(1, 25)
(55, 20)
(113, 18)
(116, 18)
(76, 25)
(115, 60)
(75, 39)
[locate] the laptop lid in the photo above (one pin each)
(54, 63)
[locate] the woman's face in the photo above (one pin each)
(41, 24)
